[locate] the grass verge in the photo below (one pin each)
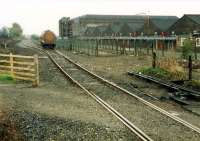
(163, 73)
(156, 72)
(6, 78)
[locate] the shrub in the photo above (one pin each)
(187, 49)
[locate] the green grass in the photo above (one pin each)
(6, 78)
(156, 72)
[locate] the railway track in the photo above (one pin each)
(167, 84)
(139, 133)
(123, 119)
(71, 70)
(75, 70)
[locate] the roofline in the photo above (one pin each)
(191, 15)
(82, 16)
(188, 16)
(185, 15)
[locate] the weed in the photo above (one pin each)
(6, 78)
(157, 72)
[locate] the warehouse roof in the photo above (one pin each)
(195, 18)
(134, 21)
(125, 29)
(136, 26)
(186, 24)
(163, 22)
(125, 24)
(109, 17)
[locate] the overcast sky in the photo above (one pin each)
(36, 16)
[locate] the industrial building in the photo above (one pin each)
(186, 25)
(64, 27)
(131, 25)
(96, 25)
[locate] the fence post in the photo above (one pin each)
(195, 49)
(36, 82)
(152, 47)
(163, 48)
(147, 46)
(97, 48)
(135, 47)
(154, 60)
(117, 45)
(11, 65)
(190, 67)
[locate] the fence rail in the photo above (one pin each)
(121, 45)
(20, 67)
(172, 38)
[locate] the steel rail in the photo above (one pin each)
(183, 122)
(119, 116)
(165, 83)
(112, 84)
(114, 112)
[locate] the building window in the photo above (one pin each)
(182, 41)
(198, 42)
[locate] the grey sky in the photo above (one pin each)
(36, 16)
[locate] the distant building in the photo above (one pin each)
(96, 25)
(64, 27)
(186, 25)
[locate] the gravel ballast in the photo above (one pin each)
(57, 110)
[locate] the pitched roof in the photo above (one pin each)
(163, 22)
(149, 28)
(195, 18)
(125, 29)
(111, 17)
(134, 23)
(186, 24)
(136, 26)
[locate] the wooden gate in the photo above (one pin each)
(20, 67)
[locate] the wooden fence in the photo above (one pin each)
(20, 67)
